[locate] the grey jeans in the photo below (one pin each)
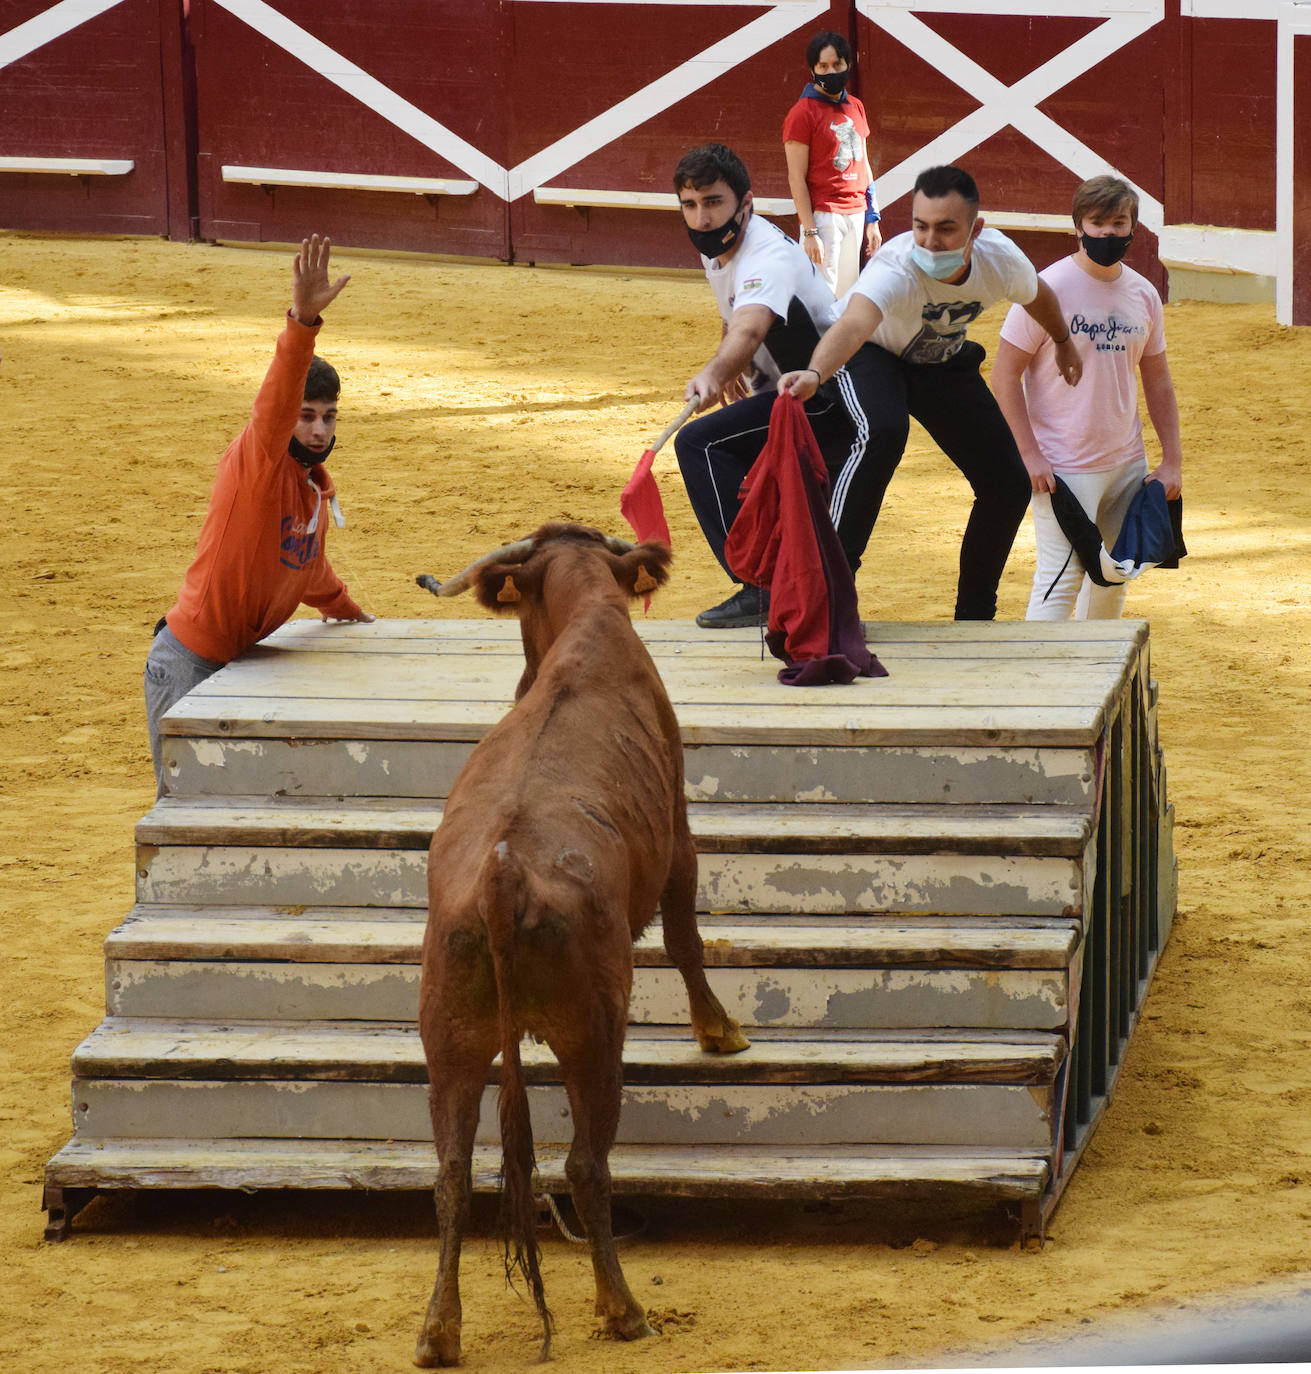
(172, 670)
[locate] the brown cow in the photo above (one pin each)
(562, 834)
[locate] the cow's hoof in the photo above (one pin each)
(633, 1326)
(438, 1346)
(727, 1040)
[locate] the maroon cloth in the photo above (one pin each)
(783, 539)
(640, 503)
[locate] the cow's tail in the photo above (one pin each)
(502, 898)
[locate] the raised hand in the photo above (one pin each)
(311, 291)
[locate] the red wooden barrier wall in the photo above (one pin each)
(79, 84)
(1029, 105)
(744, 65)
(438, 65)
(603, 96)
(1225, 168)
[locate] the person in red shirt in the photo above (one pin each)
(824, 138)
(261, 548)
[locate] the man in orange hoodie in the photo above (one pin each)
(261, 549)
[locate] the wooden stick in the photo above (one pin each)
(677, 424)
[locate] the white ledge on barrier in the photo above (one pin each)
(1212, 248)
(639, 200)
(69, 166)
(1016, 220)
(347, 181)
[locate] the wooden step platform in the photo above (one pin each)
(270, 1080)
(953, 1175)
(775, 971)
(930, 858)
(935, 900)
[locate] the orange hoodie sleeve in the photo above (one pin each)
(329, 597)
(278, 401)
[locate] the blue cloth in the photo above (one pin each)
(1148, 533)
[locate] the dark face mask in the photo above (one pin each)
(832, 83)
(1108, 250)
(713, 242)
(306, 457)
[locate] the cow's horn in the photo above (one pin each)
(463, 580)
(617, 545)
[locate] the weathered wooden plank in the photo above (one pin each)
(143, 1049)
(701, 1170)
(691, 679)
(477, 625)
(740, 657)
(364, 937)
(856, 774)
(329, 767)
(999, 1115)
(954, 687)
(808, 720)
(933, 884)
(804, 998)
(764, 828)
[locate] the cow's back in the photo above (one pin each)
(588, 760)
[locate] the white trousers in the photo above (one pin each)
(841, 236)
(1060, 587)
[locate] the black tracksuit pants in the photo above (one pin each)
(716, 451)
(862, 439)
(952, 401)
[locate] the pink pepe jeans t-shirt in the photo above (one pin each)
(1095, 425)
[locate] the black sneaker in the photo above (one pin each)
(747, 606)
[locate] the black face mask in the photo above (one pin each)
(713, 242)
(306, 457)
(1107, 250)
(832, 83)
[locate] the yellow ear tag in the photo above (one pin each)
(645, 582)
(508, 592)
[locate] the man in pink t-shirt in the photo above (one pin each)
(1090, 434)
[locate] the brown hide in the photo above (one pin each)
(561, 836)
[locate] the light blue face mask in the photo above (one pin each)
(939, 266)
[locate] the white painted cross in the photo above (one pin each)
(511, 183)
(1017, 105)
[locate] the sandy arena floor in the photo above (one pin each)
(478, 401)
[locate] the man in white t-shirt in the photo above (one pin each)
(774, 304)
(912, 305)
(1091, 437)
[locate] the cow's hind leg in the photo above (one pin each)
(714, 1028)
(594, 1080)
(455, 1094)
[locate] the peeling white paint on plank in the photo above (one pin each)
(938, 1114)
(200, 765)
(821, 883)
(716, 1171)
(360, 935)
(791, 997)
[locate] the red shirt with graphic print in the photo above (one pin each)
(838, 170)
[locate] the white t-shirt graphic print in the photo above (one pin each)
(924, 320)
